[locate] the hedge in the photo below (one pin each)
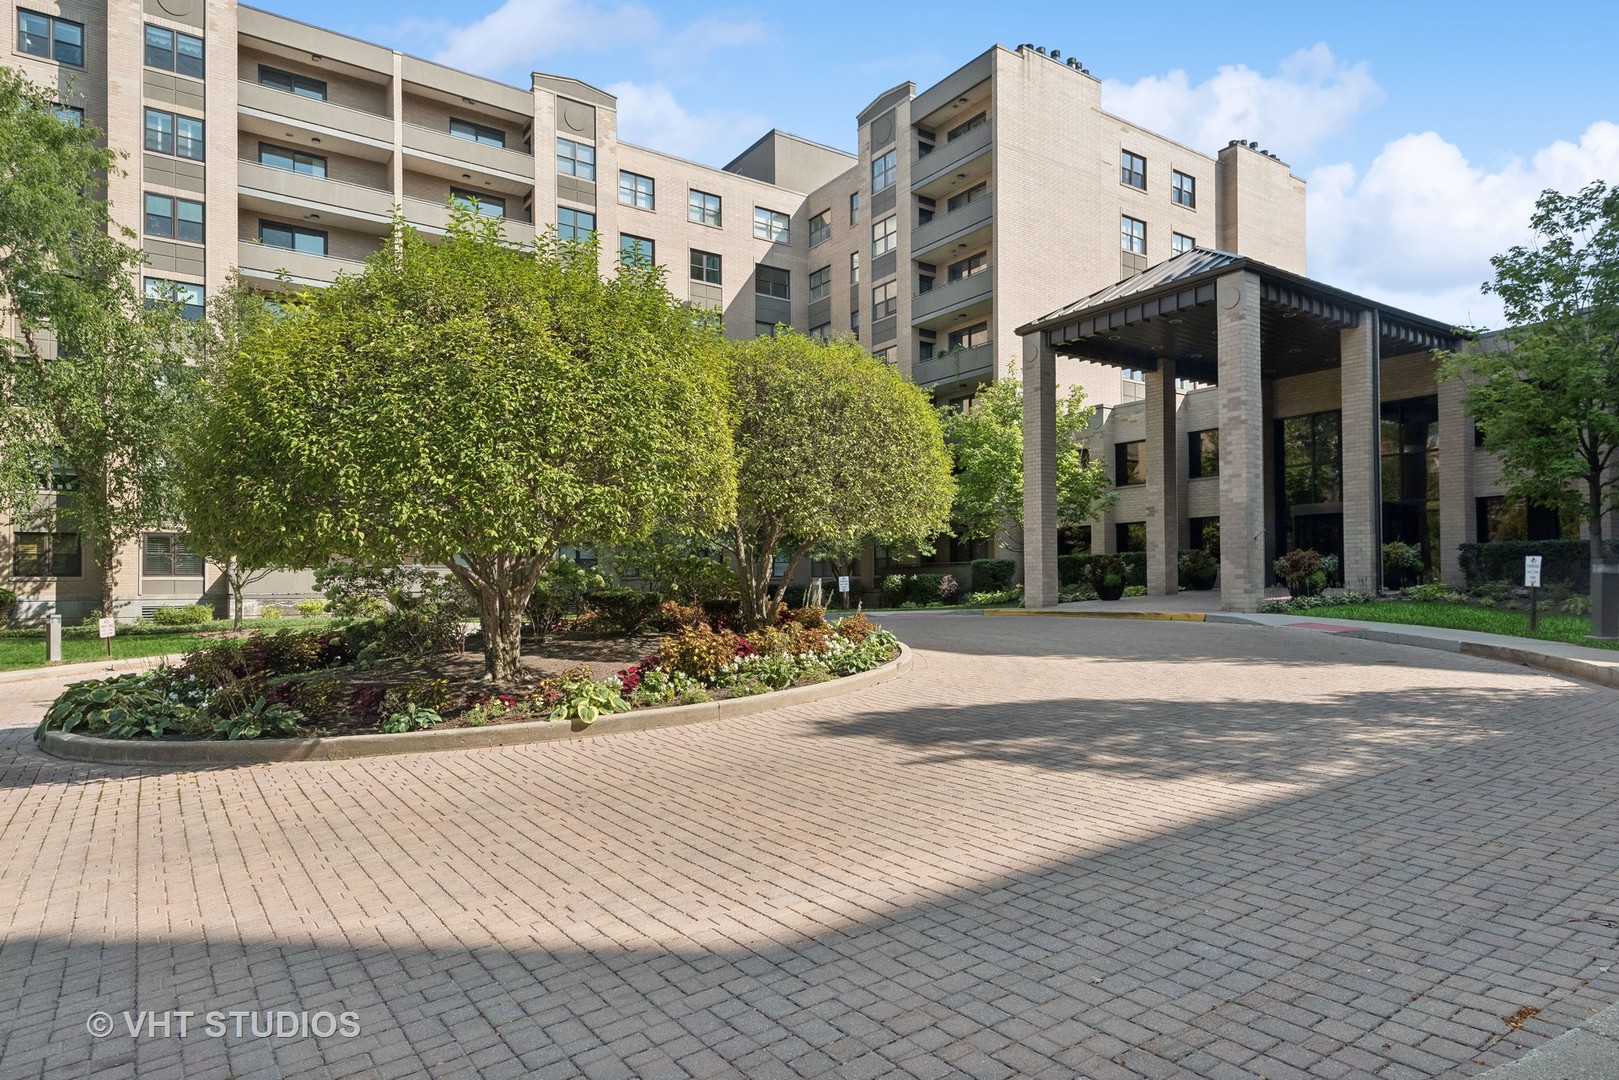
(992, 575)
(1565, 562)
(1074, 570)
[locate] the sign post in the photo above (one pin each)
(107, 626)
(1531, 578)
(843, 587)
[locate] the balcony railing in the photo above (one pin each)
(260, 260)
(357, 199)
(310, 111)
(442, 144)
(957, 365)
(436, 216)
(950, 155)
(948, 226)
(957, 294)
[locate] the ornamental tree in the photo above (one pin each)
(832, 447)
(470, 403)
(987, 443)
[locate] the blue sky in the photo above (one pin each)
(1424, 130)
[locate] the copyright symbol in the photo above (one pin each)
(98, 1024)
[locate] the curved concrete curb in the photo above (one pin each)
(342, 747)
(1159, 616)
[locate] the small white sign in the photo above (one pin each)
(1531, 571)
(107, 627)
(843, 583)
(250, 609)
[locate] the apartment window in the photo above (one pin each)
(574, 224)
(968, 337)
(302, 85)
(927, 344)
(166, 555)
(821, 332)
(487, 205)
(1130, 536)
(69, 114)
(576, 159)
(635, 190)
(965, 126)
(771, 281)
(173, 51)
(925, 273)
(1206, 534)
(884, 171)
(771, 225)
(821, 228)
(972, 264)
(59, 475)
(42, 554)
(636, 249)
(50, 37)
(704, 208)
(1203, 453)
(764, 329)
(174, 219)
(1132, 170)
(705, 267)
(884, 235)
(1312, 458)
(854, 207)
(280, 157)
(854, 323)
(854, 268)
(1182, 189)
(971, 195)
(884, 300)
(820, 284)
(1133, 235)
(884, 355)
(1130, 463)
(1180, 243)
(190, 297)
(170, 133)
(479, 133)
(292, 238)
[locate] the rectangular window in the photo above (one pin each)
(771, 281)
(764, 329)
(821, 332)
(1132, 170)
(884, 171)
(479, 133)
(576, 159)
(1133, 235)
(771, 225)
(884, 355)
(1180, 243)
(636, 249)
(487, 205)
(820, 228)
(971, 265)
(173, 51)
(173, 218)
(170, 133)
(574, 224)
(69, 114)
(854, 207)
(1311, 459)
(884, 300)
(635, 190)
(884, 235)
(191, 297)
(854, 323)
(820, 284)
(59, 475)
(703, 208)
(166, 555)
(292, 238)
(1130, 463)
(854, 268)
(42, 554)
(971, 195)
(1203, 453)
(968, 337)
(1130, 536)
(1206, 534)
(286, 81)
(1182, 189)
(965, 126)
(705, 267)
(280, 157)
(51, 37)
(159, 131)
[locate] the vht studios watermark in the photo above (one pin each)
(220, 1023)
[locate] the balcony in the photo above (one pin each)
(349, 202)
(949, 157)
(265, 264)
(955, 366)
(951, 298)
(436, 218)
(957, 226)
(444, 147)
(311, 113)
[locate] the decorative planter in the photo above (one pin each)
(1202, 584)
(1110, 592)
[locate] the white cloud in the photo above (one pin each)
(649, 115)
(696, 42)
(1312, 95)
(1418, 228)
(519, 32)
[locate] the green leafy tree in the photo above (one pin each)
(469, 403)
(1549, 402)
(987, 443)
(832, 446)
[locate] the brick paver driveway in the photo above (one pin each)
(1059, 848)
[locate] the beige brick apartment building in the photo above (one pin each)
(970, 208)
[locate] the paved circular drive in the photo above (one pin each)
(1057, 848)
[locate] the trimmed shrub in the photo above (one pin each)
(625, 610)
(992, 575)
(1073, 570)
(183, 615)
(1565, 561)
(1197, 569)
(1107, 571)
(8, 606)
(698, 651)
(1135, 567)
(310, 608)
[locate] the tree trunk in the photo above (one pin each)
(109, 581)
(501, 621)
(238, 584)
(753, 567)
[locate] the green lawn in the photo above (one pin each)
(30, 652)
(1572, 629)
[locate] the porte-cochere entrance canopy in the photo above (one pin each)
(1274, 345)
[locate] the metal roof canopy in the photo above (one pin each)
(1169, 311)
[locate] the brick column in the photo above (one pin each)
(1361, 421)
(1458, 524)
(1163, 483)
(1039, 473)
(1242, 444)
